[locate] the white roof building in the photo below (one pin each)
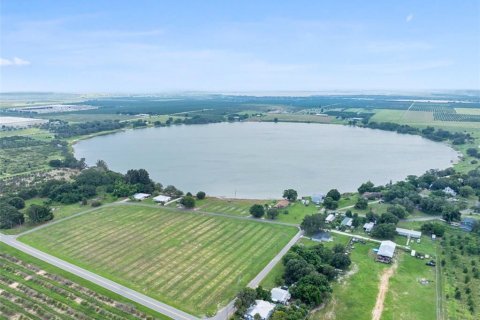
(347, 222)
(141, 196)
(262, 308)
(161, 198)
(330, 218)
(450, 191)
(409, 233)
(387, 249)
(368, 226)
(279, 295)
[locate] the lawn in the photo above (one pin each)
(354, 296)
(33, 289)
(296, 212)
(195, 262)
(407, 298)
(238, 207)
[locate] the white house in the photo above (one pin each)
(347, 222)
(141, 196)
(330, 218)
(450, 191)
(263, 308)
(280, 296)
(368, 226)
(162, 199)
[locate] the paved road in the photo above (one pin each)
(101, 281)
(424, 218)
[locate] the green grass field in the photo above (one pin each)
(33, 289)
(238, 207)
(195, 262)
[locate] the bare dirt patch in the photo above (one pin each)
(382, 292)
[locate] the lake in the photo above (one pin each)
(260, 160)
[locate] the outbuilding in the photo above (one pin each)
(282, 204)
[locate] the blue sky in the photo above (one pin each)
(156, 46)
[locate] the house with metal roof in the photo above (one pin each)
(318, 198)
(409, 233)
(162, 199)
(141, 196)
(347, 222)
(263, 308)
(280, 295)
(386, 251)
(330, 218)
(367, 227)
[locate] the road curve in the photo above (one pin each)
(101, 281)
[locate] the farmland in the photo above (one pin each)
(195, 262)
(32, 289)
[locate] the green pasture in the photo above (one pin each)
(192, 261)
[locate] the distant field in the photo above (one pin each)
(192, 261)
(475, 111)
(32, 289)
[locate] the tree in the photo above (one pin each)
(387, 217)
(290, 195)
(245, 299)
(272, 213)
(257, 210)
(473, 152)
(16, 202)
(398, 211)
(295, 269)
(384, 231)
(366, 187)
(450, 213)
(313, 223)
(101, 164)
(201, 195)
(433, 228)
(348, 213)
(340, 261)
(334, 194)
(188, 202)
(361, 204)
(10, 216)
(263, 294)
(312, 289)
(37, 213)
(466, 191)
(330, 204)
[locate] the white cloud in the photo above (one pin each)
(13, 62)
(409, 17)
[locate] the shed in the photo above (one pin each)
(141, 196)
(162, 199)
(409, 233)
(450, 191)
(263, 308)
(280, 296)
(347, 222)
(368, 226)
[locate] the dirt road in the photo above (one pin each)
(382, 292)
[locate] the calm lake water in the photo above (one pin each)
(260, 160)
